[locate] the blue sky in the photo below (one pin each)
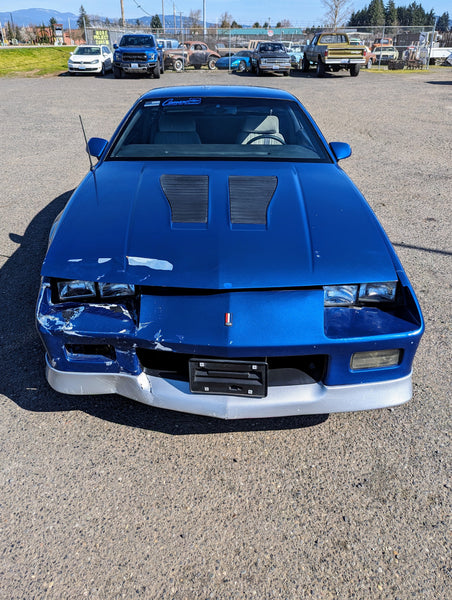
(301, 13)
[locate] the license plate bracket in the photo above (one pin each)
(229, 378)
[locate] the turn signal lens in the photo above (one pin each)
(375, 359)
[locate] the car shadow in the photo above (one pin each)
(449, 82)
(22, 354)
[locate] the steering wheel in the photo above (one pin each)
(264, 136)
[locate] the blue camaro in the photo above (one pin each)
(218, 261)
(239, 62)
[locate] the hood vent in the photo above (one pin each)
(249, 198)
(188, 197)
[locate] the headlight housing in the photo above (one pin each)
(76, 289)
(364, 293)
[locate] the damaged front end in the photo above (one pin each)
(88, 327)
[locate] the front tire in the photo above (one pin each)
(305, 65)
(117, 72)
(242, 67)
(178, 65)
(258, 70)
(156, 72)
(212, 63)
(320, 69)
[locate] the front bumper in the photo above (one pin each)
(275, 67)
(102, 349)
(85, 68)
(281, 401)
(137, 67)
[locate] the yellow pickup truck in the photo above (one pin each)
(332, 51)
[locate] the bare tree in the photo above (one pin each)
(337, 12)
(225, 20)
(194, 18)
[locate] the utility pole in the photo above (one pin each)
(204, 18)
(163, 15)
(122, 14)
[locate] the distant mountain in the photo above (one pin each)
(38, 16)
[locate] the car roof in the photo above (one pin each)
(236, 91)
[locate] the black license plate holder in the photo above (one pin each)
(228, 378)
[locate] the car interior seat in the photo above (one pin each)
(260, 130)
(176, 129)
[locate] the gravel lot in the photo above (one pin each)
(103, 498)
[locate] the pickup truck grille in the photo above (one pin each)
(134, 57)
(275, 61)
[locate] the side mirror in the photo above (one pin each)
(115, 46)
(96, 146)
(71, 53)
(341, 150)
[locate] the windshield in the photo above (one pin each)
(219, 128)
(137, 40)
(271, 48)
(87, 50)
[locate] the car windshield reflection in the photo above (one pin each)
(212, 128)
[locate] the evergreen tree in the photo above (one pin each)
(391, 14)
(443, 22)
(156, 23)
(83, 19)
(376, 13)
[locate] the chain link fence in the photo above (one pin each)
(403, 46)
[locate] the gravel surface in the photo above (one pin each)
(104, 498)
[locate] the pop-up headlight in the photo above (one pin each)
(340, 295)
(365, 293)
(76, 289)
(378, 292)
(90, 290)
(110, 290)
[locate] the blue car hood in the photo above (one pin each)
(117, 227)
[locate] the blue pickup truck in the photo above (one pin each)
(138, 53)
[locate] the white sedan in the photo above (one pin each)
(90, 59)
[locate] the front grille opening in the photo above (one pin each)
(282, 370)
(75, 351)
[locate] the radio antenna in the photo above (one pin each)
(86, 142)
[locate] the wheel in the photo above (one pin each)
(369, 64)
(242, 67)
(354, 70)
(211, 63)
(178, 65)
(117, 72)
(320, 69)
(286, 73)
(265, 136)
(156, 72)
(162, 67)
(258, 70)
(305, 65)
(103, 72)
